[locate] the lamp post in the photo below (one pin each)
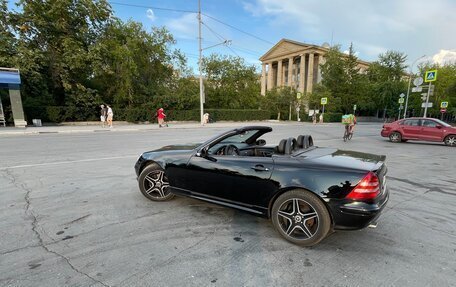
(410, 80)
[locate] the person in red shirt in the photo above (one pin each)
(161, 117)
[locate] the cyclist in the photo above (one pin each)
(349, 122)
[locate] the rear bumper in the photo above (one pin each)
(358, 215)
(384, 133)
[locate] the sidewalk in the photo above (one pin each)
(88, 127)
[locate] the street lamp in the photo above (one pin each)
(410, 80)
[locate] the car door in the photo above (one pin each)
(431, 130)
(411, 129)
(243, 180)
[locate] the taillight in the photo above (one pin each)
(367, 188)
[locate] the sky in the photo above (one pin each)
(414, 27)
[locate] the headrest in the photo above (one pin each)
(305, 141)
(281, 146)
(290, 145)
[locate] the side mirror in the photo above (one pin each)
(438, 126)
(202, 152)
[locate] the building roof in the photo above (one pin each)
(287, 46)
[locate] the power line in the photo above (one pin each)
(221, 38)
(153, 7)
(237, 29)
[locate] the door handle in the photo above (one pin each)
(259, 167)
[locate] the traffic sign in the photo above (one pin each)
(417, 89)
(444, 105)
(324, 101)
(443, 111)
(418, 81)
(429, 105)
(354, 107)
(298, 95)
(401, 100)
(402, 95)
(430, 76)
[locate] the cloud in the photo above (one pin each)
(414, 27)
(185, 26)
(445, 57)
(150, 14)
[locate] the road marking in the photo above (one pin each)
(69, 161)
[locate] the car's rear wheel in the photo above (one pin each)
(300, 217)
(395, 137)
(154, 184)
(450, 140)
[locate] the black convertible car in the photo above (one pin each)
(307, 191)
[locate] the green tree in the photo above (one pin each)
(387, 81)
(279, 100)
(54, 40)
(342, 80)
(230, 83)
(133, 66)
(7, 39)
(444, 88)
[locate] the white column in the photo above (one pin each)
(279, 73)
(310, 73)
(270, 84)
(302, 73)
(263, 79)
(290, 72)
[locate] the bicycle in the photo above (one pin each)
(348, 134)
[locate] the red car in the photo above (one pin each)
(424, 129)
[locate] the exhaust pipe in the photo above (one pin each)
(373, 225)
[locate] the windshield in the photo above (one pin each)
(442, 123)
(240, 138)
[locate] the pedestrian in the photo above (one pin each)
(161, 117)
(110, 115)
(321, 118)
(103, 115)
(314, 118)
(206, 118)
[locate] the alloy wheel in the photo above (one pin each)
(156, 184)
(450, 140)
(298, 219)
(395, 137)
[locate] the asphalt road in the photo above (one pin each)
(71, 214)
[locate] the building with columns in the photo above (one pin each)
(295, 64)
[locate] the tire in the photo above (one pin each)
(301, 217)
(450, 140)
(153, 183)
(395, 137)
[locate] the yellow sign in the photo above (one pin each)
(298, 95)
(401, 100)
(444, 105)
(430, 76)
(324, 101)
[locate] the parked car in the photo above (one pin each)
(305, 190)
(423, 129)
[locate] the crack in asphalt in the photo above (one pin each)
(429, 189)
(170, 259)
(35, 227)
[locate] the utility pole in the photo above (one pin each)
(199, 65)
(410, 81)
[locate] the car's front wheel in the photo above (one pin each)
(395, 137)
(300, 217)
(154, 184)
(450, 140)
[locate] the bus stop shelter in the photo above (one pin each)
(11, 80)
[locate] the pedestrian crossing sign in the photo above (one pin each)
(430, 76)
